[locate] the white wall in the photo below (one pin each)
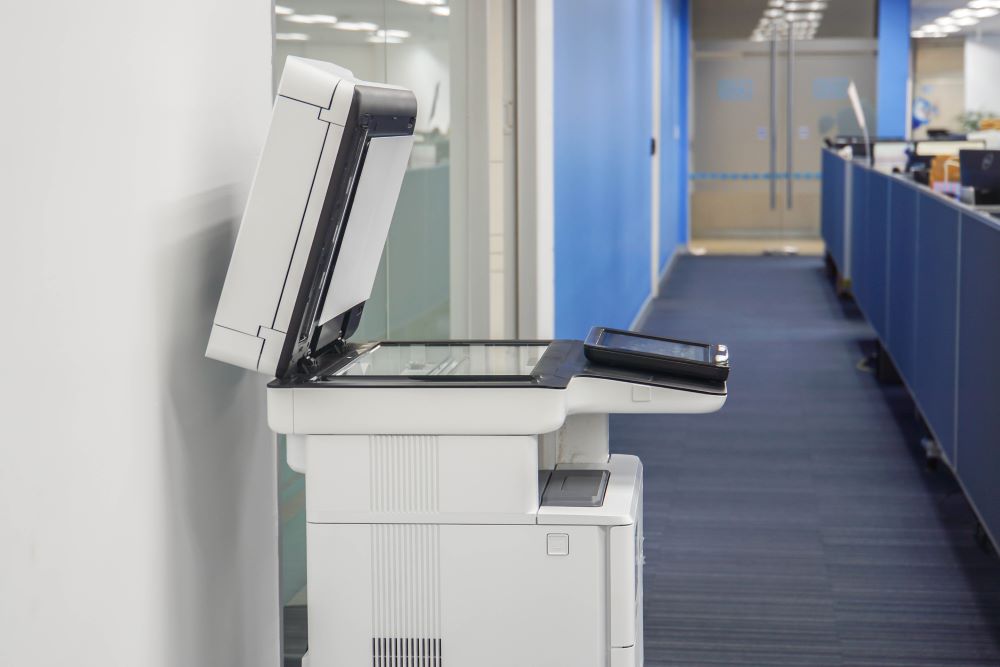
(982, 62)
(137, 489)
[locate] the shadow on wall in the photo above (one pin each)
(218, 456)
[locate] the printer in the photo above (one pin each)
(462, 507)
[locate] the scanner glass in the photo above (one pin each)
(459, 359)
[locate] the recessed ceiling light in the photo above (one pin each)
(283, 11)
(945, 20)
(961, 12)
(375, 39)
(392, 33)
(423, 2)
(984, 4)
(966, 21)
(776, 3)
(986, 13)
(805, 6)
(311, 19)
(292, 37)
(773, 13)
(948, 30)
(356, 26)
(441, 11)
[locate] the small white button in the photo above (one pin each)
(641, 393)
(558, 544)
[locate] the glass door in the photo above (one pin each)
(762, 106)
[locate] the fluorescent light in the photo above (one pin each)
(776, 3)
(986, 13)
(283, 11)
(945, 20)
(441, 11)
(423, 2)
(356, 26)
(774, 13)
(948, 29)
(966, 21)
(292, 37)
(392, 34)
(805, 6)
(961, 12)
(375, 39)
(311, 19)
(984, 4)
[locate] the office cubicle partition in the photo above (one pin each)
(925, 271)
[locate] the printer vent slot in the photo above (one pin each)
(406, 595)
(404, 474)
(406, 652)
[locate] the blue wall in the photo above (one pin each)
(603, 127)
(893, 66)
(673, 129)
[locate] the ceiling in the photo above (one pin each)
(925, 11)
(391, 14)
(736, 19)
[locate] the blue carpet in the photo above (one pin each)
(799, 526)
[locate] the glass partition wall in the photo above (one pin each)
(405, 43)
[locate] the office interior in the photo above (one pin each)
(814, 184)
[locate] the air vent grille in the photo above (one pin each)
(406, 652)
(406, 595)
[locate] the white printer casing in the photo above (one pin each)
(462, 506)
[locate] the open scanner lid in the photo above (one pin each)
(316, 220)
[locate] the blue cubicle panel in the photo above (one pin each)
(924, 271)
(832, 207)
(858, 237)
(978, 458)
(936, 330)
(876, 259)
(901, 288)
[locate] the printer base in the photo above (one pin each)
(490, 595)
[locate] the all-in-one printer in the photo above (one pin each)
(462, 506)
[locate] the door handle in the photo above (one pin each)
(789, 146)
(773, 119)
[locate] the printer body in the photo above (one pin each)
(462, 505)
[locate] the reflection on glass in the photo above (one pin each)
(446, 360)
(406, 44)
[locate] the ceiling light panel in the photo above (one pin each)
(356, 26)
(311, 19)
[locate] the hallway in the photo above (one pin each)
(800, 526)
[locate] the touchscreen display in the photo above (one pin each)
(664, 348)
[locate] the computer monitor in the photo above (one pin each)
(981, 172)
(891, 155)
